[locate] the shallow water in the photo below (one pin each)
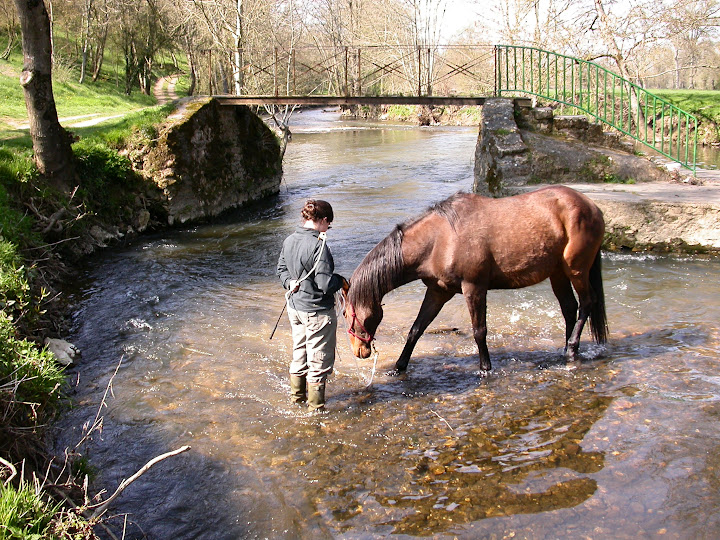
(623, 446)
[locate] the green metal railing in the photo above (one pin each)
(600, 93)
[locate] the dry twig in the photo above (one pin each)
(102, 507)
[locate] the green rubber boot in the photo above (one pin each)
(298, 389)
(316, 397)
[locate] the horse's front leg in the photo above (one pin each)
(476, 298)
(433, 302)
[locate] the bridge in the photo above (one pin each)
(465, 75)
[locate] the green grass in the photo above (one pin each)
(702, 103)
(24, 515)
(117, 132)
(95, 99)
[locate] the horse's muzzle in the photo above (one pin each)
(360, 348)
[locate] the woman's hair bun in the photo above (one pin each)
(316, 210)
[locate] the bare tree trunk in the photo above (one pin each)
(51, 143)
(99, 54)
(238, 67)
(86, 40)
(11, 41)
(617, 55)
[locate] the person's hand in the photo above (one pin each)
(294, 285)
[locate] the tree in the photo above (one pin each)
(51, 143)
(7, 15)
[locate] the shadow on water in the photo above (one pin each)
(489, 452)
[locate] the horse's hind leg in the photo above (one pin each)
(563, 290)
(585, 296)
(433, 302)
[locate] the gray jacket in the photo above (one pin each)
(299, 252)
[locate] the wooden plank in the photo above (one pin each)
(348, 100)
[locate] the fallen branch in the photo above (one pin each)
(441, 418)
(102, 507)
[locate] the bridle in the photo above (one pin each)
(368, 337)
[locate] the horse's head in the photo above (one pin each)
(362, 323)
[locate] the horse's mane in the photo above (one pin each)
(379, 272)
(447, 209)
(382, 269)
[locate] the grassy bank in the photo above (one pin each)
(33, 255)
(704, 104)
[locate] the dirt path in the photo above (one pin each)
(164, 89)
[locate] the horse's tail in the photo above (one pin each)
(598, 318)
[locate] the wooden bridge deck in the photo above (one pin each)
(359, 100)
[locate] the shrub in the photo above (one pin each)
(14, 287)
(105, 177)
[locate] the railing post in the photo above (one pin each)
(419, 72)
(210, 69)
(429, 73)
(359, 74)
(496, 52)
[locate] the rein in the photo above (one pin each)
(323, 238)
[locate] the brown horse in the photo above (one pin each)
(470, 244)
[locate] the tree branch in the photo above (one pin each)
(102, 507)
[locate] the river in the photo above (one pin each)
(625, 445)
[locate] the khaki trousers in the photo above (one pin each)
(314, 337)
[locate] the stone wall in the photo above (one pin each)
(531, 147)
(211, 158)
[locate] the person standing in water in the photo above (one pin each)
(306, 270)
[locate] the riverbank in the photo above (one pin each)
(671, 216)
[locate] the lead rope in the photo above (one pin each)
(339, 310)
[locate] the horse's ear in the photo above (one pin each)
(345, 286)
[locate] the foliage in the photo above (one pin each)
(24, 515)
(14, 287)
(106, 178)
(30, 378)
(27, 514)
(402, 112)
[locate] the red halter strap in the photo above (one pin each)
(369, 337)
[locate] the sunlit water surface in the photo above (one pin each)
(623, 446)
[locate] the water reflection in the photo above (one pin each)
(622, 446)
